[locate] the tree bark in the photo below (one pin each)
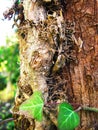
(59, 54)
(84, 76)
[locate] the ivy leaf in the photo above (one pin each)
(33, 106)
(68, 119)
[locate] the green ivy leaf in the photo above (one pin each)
(68, 119)
(33, 106)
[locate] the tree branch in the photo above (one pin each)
(6, 120)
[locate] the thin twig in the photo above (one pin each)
(6, 120)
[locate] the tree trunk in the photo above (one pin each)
(59, 54)
(84, 76)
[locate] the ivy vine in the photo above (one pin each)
(67, 119)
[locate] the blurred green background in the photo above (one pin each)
(9, 73)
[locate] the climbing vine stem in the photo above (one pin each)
(93, 109)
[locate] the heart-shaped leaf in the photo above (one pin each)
(33, 107)
(68, 119)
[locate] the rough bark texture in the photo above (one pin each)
(84, 76)
(59, 57)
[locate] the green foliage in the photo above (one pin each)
(10, 125)
(68, 119)
(9, 58)
(33, 106)
(3, 82)
(9, 63)
(9, 72)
